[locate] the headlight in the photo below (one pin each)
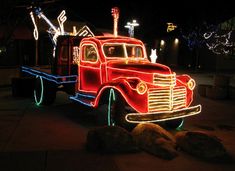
(141, 88)
(191, 84)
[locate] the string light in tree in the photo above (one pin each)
(211, 37)
(218, 44)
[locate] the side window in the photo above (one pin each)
(90, 53)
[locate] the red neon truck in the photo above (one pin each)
(114, 71)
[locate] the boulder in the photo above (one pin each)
(155, 140)
(110, 139)
(205, 146)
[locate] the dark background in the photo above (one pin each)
(151, 15)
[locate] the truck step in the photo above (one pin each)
(83, 98)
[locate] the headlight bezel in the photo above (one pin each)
(191, 84)
(141, 88)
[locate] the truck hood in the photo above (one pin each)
(142, 69)
(140, 65)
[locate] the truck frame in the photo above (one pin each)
(113, 72)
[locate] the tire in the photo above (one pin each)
(175, 124)
(106, 113)
(115, 111)
(44, 91)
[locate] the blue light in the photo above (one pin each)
(77, 98)
(54, 78)
(80, 101)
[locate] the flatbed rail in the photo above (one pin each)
(50, 77)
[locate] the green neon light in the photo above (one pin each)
(180, 126)
(111, 97)
(35, 94)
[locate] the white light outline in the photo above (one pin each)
(160, 120)
(35, 30)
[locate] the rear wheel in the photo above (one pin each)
(44, 91)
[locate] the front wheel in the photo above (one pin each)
(44, 91)
(114, 111)
(117, 110)
(175, 124)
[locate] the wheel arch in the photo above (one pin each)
(103, 95)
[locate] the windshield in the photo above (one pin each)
(123, 50)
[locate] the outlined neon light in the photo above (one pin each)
(197, 111)
(80, 101)
(171, 27)
(165, 78)
(191, 84)
(112, 98)
(153, 55)
(166, 99)
(35, 30)
(42, 91)
(165, 92)
(61, 19)
(141, 88)
(218, 44)
(50, 77)
(124, 48)
(115, 13)
(131, 27)
(181, 125)
(85, 32)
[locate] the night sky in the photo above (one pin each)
(151, 15)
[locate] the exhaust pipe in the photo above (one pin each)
(115, 13)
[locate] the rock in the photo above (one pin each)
(202, 145)
(155, 140)
(110, 139)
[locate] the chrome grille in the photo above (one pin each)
(166, 99)
(164, 80)
(179, 97)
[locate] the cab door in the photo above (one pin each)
(89, 69)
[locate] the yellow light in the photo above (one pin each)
(162, 43)
(141, 88)
(171, 27)
(191, 84)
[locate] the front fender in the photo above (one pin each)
(127, 89)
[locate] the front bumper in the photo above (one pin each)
(162, 116)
